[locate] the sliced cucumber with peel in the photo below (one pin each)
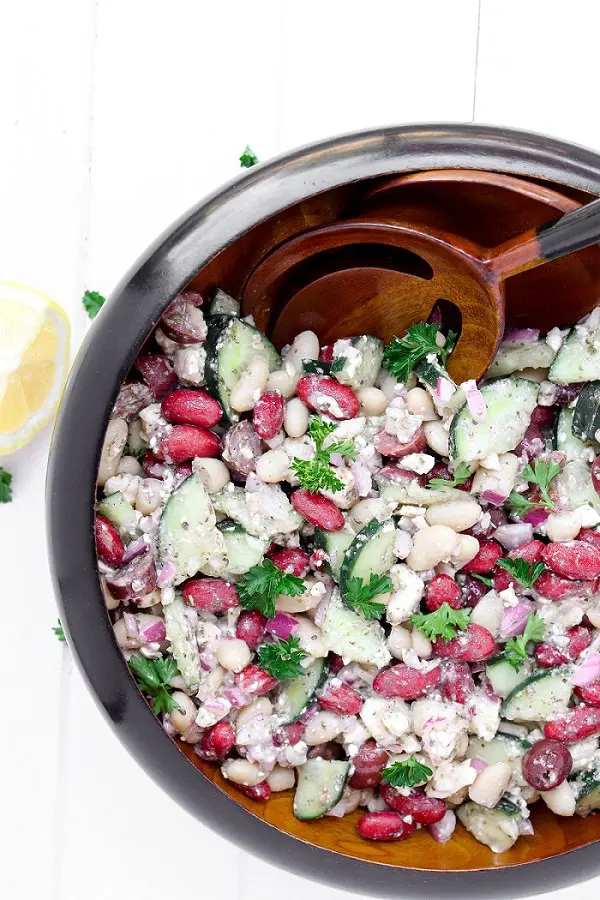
(118, 510)
(335, 544)
(243, 550)
(353, 638)
(180, 623)
(321, 783)
(362, 365)
(586, 418)
(586, 787)
(295, 695)
(370, 553)
(222, 304)
(502, 676)
(509, 405)
(575, 487)
(504, 748)
(578, 359)
(564, 438)
(542, 696)
(514, 357)
(493, 827)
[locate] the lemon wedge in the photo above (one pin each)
(34, 361)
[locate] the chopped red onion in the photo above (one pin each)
(536, 517)
(308, 714)
(337, 459)
(493, 497)
(135, 548)
(513, 535)
(521, 336)
(166, 575)
(362, 478)
(587, 671)
(475, 400)
(131, 626)
(443, 830)
(153, 631)
(478, 764)
(514, 619)
(321, 613)
(237, 696)
(443, 389)
(526, 827)
(282, 625)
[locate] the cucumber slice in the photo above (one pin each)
(502, 748)
(586, 787)
(187, 536)
(517, 356)
(540, 697)
(118, 510)
(180, 622)
(321, 783)
(243, 550)
(575, 487)
(586, 419)
(502, 676)
(316, 367)
(230, 345)
(362, 362)
(506, 806)
(353, 638)
(283, 518)
(578, 359)
(294, 696)
(429, 372)
(492, 827)
(370, 553)
(566, 441)
(335, 544)
(223, 305)
(509, 402)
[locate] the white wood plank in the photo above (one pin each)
(45, 73)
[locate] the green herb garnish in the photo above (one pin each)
(282, 659)
(402, 354)
(261, 585)
(462, 474)
(443, 623)
(153, 677)
(515, 651)
(483, 578)
(5, 486)
(93, 302)
(525, 573)
(59, 631)
(248, 158)
(316, 474)
(359, 595)
(406, 773)
(542, 473)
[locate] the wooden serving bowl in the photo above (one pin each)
(222, 241)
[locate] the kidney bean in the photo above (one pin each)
(213, 595)
(267, 415)
(369, 763)
(456, 680)
(546, 765)
(109, 545)
(566, 393)
(578, 723)
(556, 588)
(326, 354)
(590, 693)
(335, 663)
(288, 734)
(260, 792)
(323, 394)
(533, 442)
(250, 627)
(342, 699)
(242, 447)
(181, 472)
(590, 537)
(216, 742)
(473, 645)
(191, 407)
(390, 445)
(543, 416)
(473, 591)
(293, 561)
(424, 810)
(318, 510)
(183, 321)
(133, 581)
(157, 372)
(329, 750)
(384, 826)
(255, 680)
(442, 589)
(132, 399)
(405, 682)
(153, 467)
(487, 556)
(549, 655)
(530, 551)
(185, 442)
(574, 559)
(502, 580)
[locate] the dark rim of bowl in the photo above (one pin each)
(102, 363)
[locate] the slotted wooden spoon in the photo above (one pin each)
(380, 277)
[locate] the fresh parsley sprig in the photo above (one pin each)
(248, 157)
(515, 651)
(402, 354)
(406, 773)
(523, 572)
(483, 578)
(443, 623)
(153, 677)
(359, 595)
(59, 631)
(542, 474)
(316, 474)
(261, 585)
(93, 303)
(5, 486)
(282, 659)
(462, 474)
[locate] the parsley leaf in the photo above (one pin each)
(93, 302)
(248, 157)
(59, 631)
(359, 595)
(515, 651)
(402, 354)
(282, 659)
(542, 473)
(5, 486)
(443, 623)
(525, 573)
(462, 474)
(153, 677)
(406, 773)
(483, 578)
(316, 474)
(520, 504)
(261, 585)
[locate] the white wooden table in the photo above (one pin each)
(115, 116)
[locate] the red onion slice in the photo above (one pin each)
(475, 400)
(587, 671)
(281, 626)
(513, 535)
(443, 830)
(514, 619)
(493, 497)
(521, 336)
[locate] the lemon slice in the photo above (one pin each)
(34, 361)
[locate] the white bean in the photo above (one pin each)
(281, 779)
(273, 466)
(129, 466)
(457, 514)
(148, 496)
(213, 473)
(560, 800)
(387, 383)
(490, 784)
(563, 526)
(373, 401)
(242, 771)
(399, 639)
(437, 437)
(466, 549)
(419, 403)
(233, 654)
(311, 597)
(431, 546)
(275, 442)
(593, 614)
(421, 645)
(182, 718)
(250, 385)
(112, 449)
(281, 381)
(295, 419)
(323, 727)
(262, 706)
(304, 346)
(365, 510)
(152, 599)
(310, 638)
